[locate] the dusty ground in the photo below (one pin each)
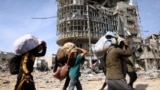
(45, 81)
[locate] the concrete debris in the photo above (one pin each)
(149, 74)
(45, 80)
(6, 82)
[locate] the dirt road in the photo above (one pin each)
(45, 81)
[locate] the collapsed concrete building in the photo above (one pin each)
(149, 56)
(4, 59)
(83, 22)
(41, 63)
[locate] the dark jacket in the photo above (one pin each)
(114, 62)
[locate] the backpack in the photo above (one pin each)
(14, 64)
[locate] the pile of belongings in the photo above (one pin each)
(26, 43)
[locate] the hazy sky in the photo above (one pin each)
(149, 11)
(16, 20)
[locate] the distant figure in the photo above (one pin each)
(74, 71)
(25, 79)
(114, 66)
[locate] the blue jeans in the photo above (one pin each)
(74, 81)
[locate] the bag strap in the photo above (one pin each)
(68, 61)
(69, 51)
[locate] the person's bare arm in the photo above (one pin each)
(83, 51)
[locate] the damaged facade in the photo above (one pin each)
(4, 59)
(41, 63)
(148, 54)
(83, 22)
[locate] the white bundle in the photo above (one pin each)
(26, 43)
(98, 48)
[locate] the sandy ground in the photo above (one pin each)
(45, 81)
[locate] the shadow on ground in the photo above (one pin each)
(141, 87)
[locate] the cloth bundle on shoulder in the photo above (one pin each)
(26, 43)
(62, 57)
(22, 45)
(62, 53)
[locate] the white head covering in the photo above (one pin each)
(119, 39)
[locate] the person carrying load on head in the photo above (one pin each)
(29, 47)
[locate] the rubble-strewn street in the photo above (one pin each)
(89, 80)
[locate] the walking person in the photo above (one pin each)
(102, 61)
(63, 57)
(60, 64)
(74, 71)
(67, 78)
(66, 82)
(131, 72)
(114, 66)
(109, 36)
(25, 79)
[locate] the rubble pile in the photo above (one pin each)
(89, 79)
(45, 80)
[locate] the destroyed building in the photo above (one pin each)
(44, 63)
(41, 63)
(85, 21)
(149, 56)
(4, 59)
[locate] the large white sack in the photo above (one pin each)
(26, 43)
(98, 48)
(103, 42)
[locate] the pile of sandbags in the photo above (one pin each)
(26, 43)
